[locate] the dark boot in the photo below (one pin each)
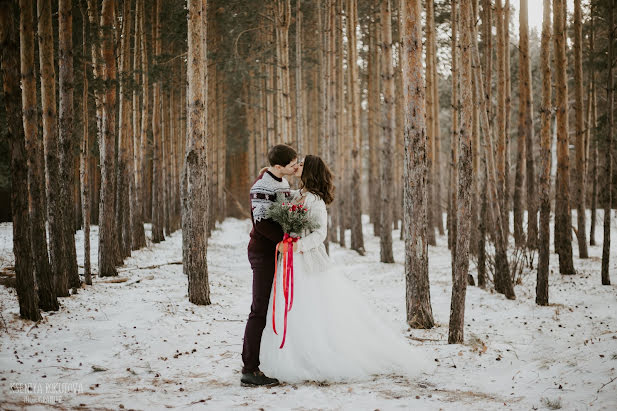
(256, 378)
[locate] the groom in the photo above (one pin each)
(265, 235)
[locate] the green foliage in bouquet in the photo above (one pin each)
(293, 218)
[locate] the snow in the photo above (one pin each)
(140, 344)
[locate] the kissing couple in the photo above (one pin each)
(332, 332)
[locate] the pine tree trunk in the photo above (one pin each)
(299, 82)
(157, 145)
(146, 124)
(125, 133)
(592, 132)
(357, 238)
(452, 206)
(579, 191)
(438, 217)
(22, 246)
(55, 213)
(501, 116)
(503, 281)
(373, 116)
(463, 230)
(545, 162)
(608, 161)
(508, 111)
(67, 158)
(532, 202)
(523, 53)
(195, 195)
(35, 162)
(563, 219)
(430, 122)
(418, 297)
(342, 135)
(282, 21)
(84, 152)
(138, 236)
(107, 242)
(388, 129)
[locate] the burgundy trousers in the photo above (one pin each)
(263, 265)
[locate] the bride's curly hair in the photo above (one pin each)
(317, 178)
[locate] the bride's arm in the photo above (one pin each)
(318, 236)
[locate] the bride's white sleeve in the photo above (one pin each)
(312, 240)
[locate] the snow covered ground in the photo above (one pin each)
(140, 344)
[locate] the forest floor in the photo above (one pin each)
(140, 343)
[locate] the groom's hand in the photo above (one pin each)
(296, 247)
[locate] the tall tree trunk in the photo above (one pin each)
(67, 158)
(503, 281)
(455, 137)
(563, 219)
(84, 152)
(357, 238)
(138, 236)
(282, 21)
(608, 161)
(35, 162)
(342, 135)
(146, 124)
(195, 190)
(523, 59)
(299, 81)
(374, 105)
(438, 217)
(157, 146)
(55, 213)
(388, 129)
(107, 240)
(430, 118)
(418, 296)
(501, 116)
(508, 111)
(545, 162)
(463, 230)
(593, 134)
(580, 132)
(22, 246)
(528, 130)
(125, 134)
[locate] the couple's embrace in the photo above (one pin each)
(332, 333)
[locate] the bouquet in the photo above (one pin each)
(293, 218)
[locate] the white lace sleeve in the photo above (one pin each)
(318, 211)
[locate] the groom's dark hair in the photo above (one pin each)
(281, 154)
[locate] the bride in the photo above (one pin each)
(332, 333)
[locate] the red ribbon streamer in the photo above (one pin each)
(288, 280)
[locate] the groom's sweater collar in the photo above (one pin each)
(279, 179)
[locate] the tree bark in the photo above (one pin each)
(455, 137)
(563, 219)
(67, 159)
(55, 213)
(545, 162)
(107, 240)
(138, 235)
(357, 238)
(580, 132)
(608, 161)
(463, 230)
(24, 275)
(524, 71)
(430, 119)
(195, 196)
(418, 296)
(374, 105)
(503, 281)
(500, 157)
(84, 152)
(157, 146)
(388, 129)
(35, 162)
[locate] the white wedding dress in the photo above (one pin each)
(333, 334)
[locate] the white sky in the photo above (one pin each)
(535, 12)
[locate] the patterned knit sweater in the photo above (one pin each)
(266, 233)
